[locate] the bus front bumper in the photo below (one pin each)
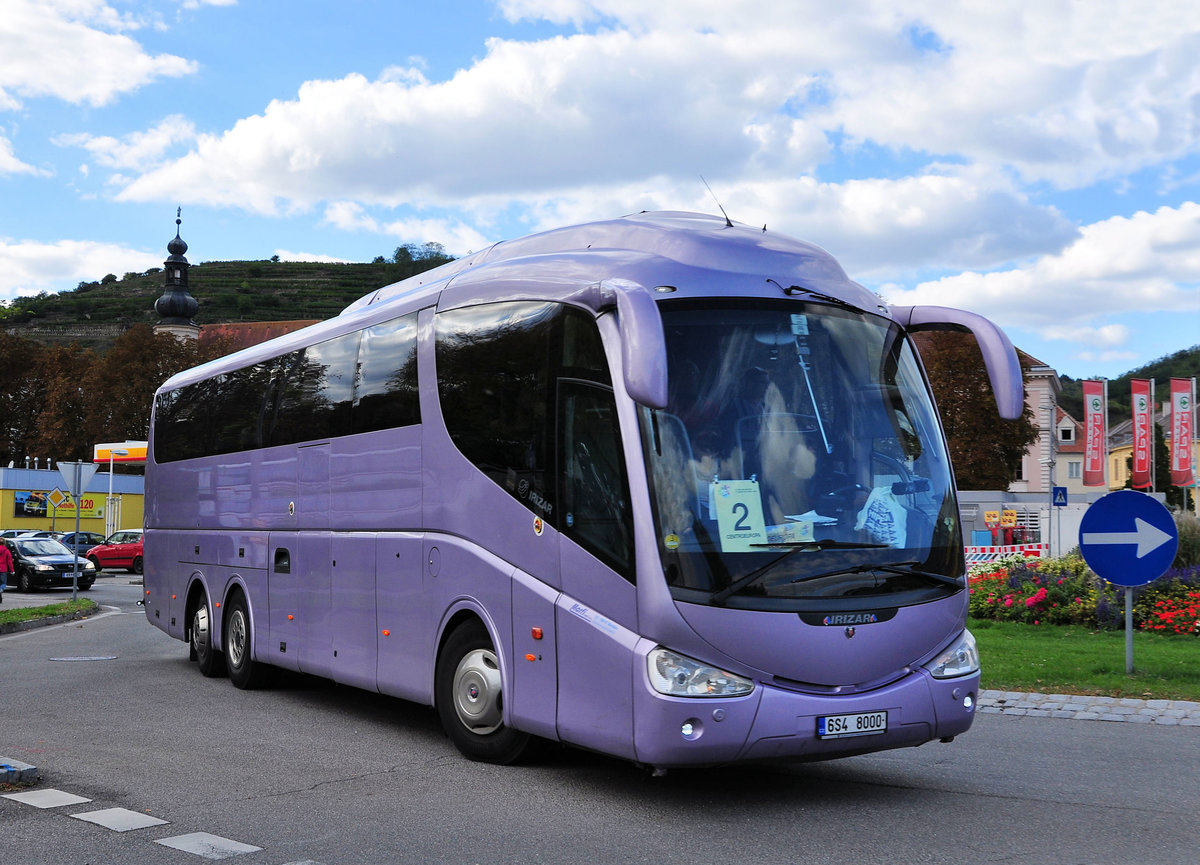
(774, 723)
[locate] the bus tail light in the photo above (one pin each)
(680, 676)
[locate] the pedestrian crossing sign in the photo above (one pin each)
(1060, 497)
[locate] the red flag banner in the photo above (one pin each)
(1181, 431)
(1095, 417)
(1143, 438)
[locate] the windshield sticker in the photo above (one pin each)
(671, 542)
(800, 324)
(797, 532)
(740, 522)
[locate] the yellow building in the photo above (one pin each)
(28, 501)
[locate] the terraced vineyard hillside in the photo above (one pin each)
(95, 313)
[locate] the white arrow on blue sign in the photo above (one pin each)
(1128, 538)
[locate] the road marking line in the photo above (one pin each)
(119, 819)
(47, 798)
(207, 846)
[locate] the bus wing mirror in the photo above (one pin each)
(999, 356)
(643, 344)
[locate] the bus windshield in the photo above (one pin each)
(799, 463)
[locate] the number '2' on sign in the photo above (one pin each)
(740, 523)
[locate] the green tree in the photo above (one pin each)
(985, 449)
(63, 427)
(122, 384)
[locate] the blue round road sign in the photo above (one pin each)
(1128, 538)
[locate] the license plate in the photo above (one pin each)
(857, 724)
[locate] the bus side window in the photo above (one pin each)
(594, 486)
(386, 390)
(493, 371)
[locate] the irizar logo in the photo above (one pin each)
(850, 619)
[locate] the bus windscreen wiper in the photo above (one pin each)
(904, 569)
(796, 547)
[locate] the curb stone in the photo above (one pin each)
(1173, 713)
(16, 772)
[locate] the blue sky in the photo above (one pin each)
(1036, 162)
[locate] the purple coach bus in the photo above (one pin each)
(663, 487)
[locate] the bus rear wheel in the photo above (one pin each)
(244, 671)
(202, 650)
(470, 700)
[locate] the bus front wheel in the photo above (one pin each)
(470, 701)
(244, 671)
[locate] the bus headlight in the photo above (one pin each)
(961, 659)
(680, 676)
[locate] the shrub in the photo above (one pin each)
(1065, 591)
(1188, 553)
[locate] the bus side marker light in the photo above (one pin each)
(531, 657)
(536, 633)
(290, 617)
(386, 632)
(172, 597)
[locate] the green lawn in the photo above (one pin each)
(1075, 660)
(12, 615)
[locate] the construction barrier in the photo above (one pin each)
(975, 555)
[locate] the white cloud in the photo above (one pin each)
(1149, 262)
(76, 51)
(137, 149)
(9, 164)
(756, 96)
(29, 267)
(456, 236)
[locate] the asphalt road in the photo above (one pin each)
(312, 772)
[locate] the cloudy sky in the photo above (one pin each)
(1037, 162)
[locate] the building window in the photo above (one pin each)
(1074, 469)
(1066, 434)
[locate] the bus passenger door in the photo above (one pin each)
(597, 612)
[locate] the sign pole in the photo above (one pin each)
(78, 499)
(1129, 539)
(1128, 631)
(76, 476)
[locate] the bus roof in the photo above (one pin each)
(646, 242)
(698, 253)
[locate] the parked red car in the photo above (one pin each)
(123, 549)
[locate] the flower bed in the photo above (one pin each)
(1065, 591)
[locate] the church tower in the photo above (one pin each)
(176, 306)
